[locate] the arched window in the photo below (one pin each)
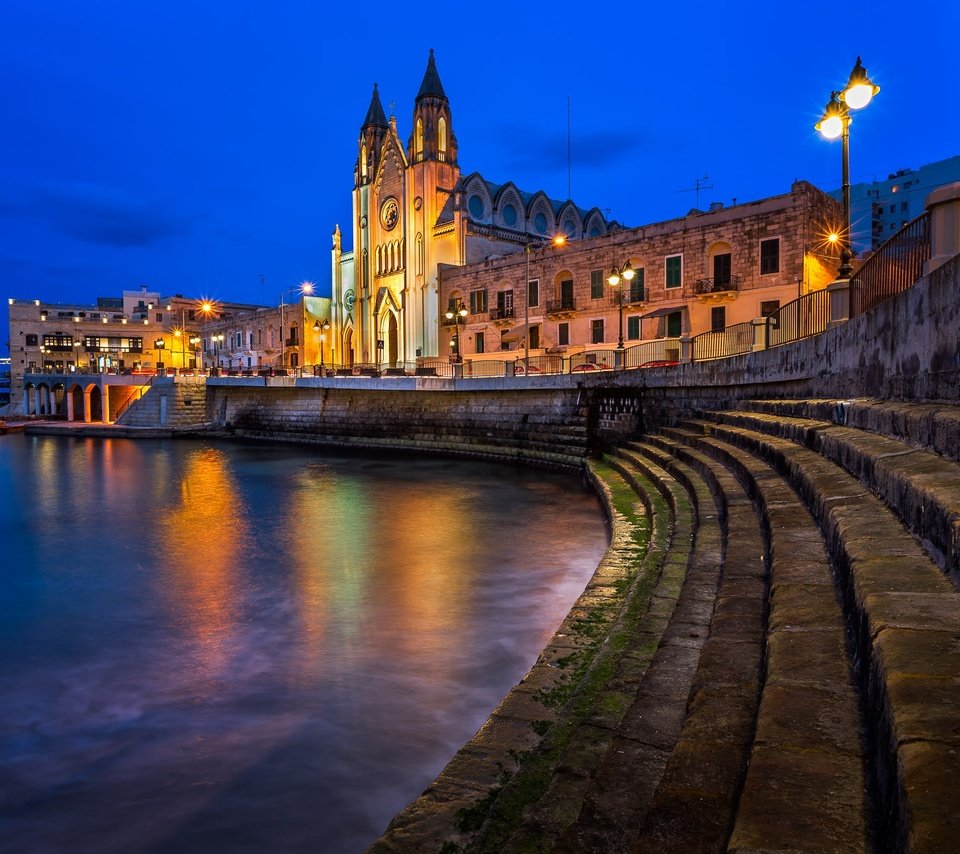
(363, 161)
(418, 140)
(442, 139)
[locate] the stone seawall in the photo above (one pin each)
(541, 425)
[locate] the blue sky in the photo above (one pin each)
(195, 147)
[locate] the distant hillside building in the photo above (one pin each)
(878, 209)
(412, 211)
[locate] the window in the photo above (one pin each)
(418, 141)
(718, 318)
(250, 341)
(534, 341)
(563, 334)
(722, 270)
(596, 331)
(596, 284)
(673, 266)
(505, 303)
(478, 342)
(442, 139)
(32, 340)
(903, 206)
(566, 294)
(633, 327)
(533, 292)
(478, 302)
(893, 208)
(504, 345)
(770, 256)
(673, 325)
(768, 307)
(58, 341)
(636, 286)
(159, 317)
(239, 340)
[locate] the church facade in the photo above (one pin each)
(412, 212)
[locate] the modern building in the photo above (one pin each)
(878, 209)
(139, 332)
(703, 272)
(412, 212)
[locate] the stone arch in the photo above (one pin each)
(75, 406)
(58, 401)
(43, 399)
(94, 403)
(508, 207)
(540, 216)
(477, 196)
(347, 345)
(719, 271)
(569, 221)
(594, 224)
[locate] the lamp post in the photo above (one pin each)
(304, 289)
(195, 346)
(159, 344)
(217, 340)
(456, 314)
(558, 240)
(835, 122)
(322, 330)
(619, 275)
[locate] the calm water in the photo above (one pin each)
(211, 647)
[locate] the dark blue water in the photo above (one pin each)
(246, 648)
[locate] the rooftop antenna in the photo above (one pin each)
(569, 151)
(698, 185)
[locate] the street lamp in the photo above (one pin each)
(195, 346)
(159, 344)
(835, 122)
(558, 240)
(216, 339)
(619, 275)
(456, 314)
(323, 334)
(304, 289)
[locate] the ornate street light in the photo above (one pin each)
(619, 275)
(322, 330)
(159, 344)
(557, 240)
(303, 289)
(456, 314)
(835, 122)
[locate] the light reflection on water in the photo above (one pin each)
(249, 648)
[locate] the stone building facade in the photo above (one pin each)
(412, 212)
(699, 273)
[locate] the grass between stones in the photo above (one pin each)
(591, 700)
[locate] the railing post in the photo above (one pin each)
(761, 337)
(686, 349)
(618, 359)
(944, 207)
(508, 368)
(458, 370)
(839, 302)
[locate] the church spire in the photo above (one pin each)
(431, 84)
(432, 137)
(373, 131)
(375, 115)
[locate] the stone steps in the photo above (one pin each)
(920, 485)
(905, 618)
(628, 660)
(806, 787)
(523, 758)
(626, 780)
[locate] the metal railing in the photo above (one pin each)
(806, 316)
(893, 268)
(714, 285)
(649, 354)
(548, 363)
(731, 341)
(484, 368)
(501, 313)
(592, 360)
(557, 305)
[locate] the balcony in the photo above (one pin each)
(561, 307)
(631, 296)
(717, 290)
(502, 316)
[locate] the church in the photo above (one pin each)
(413, 211)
